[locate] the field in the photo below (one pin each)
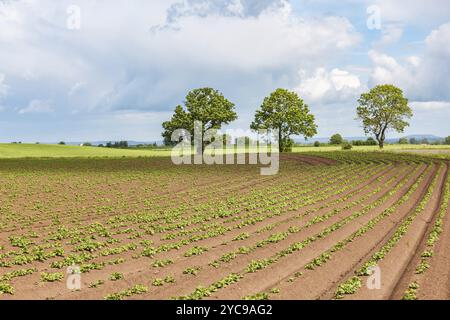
(63, 151)
(142, 228)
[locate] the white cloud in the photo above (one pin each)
(37, 106)
(390, 33)
(414, 61)
(334, 86)
(438, 41)
(77, 87)
(3, 87)
(236, 7)
(387, 70)
(134, 66)
(139, 118)
(274, 38)
(397, 15)
(202, 8)
(424, 77)
(414, 11)
(430, 105)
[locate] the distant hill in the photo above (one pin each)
(429, 137)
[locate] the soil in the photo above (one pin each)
(150, 202)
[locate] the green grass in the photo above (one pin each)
(62, 151)
(389, 147)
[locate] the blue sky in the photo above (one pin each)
(113, 70)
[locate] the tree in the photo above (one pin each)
(346, 145)
(180, 120)
(447, 140)
(403, 141)
(382, 109)
(336, 139)
(317, 144)
(371, 142)
(437, 142)
(60, 143)
(413, 141)
(286, 112)
(206, 105)
(123, 144)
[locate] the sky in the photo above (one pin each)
(84, 70)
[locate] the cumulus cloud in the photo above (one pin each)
(229, 51)
(390, 33)
(37, 106)
(424, 78)
(387, 70)
(202, 8)
(164, 49)
(430, 105)
(396, 16)
(133, 58)
(77, 87)
(3, 87)
(333, 86)
(414, 11)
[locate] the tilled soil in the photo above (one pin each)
(220, 232)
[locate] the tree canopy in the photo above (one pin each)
(381, 109)
(286, 112)
(206, 105)
(336, 139)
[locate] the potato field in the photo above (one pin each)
(144, 228)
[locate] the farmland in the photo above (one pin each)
(13, 151)
(142, 228)
(63, 151)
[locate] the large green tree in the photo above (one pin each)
(286, 112)
(336, 139)
(205, 105)
(383, 108)
(180, 120)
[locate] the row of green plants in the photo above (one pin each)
(400, 231)
(260, 264)
(432, 240)
(275, 238)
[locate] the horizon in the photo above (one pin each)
(299, 141)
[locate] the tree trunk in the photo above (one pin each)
(280, 141)
(382, 137)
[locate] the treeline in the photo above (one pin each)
(125, 145)
(337, 139)
(446, 141)
(116, 145)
